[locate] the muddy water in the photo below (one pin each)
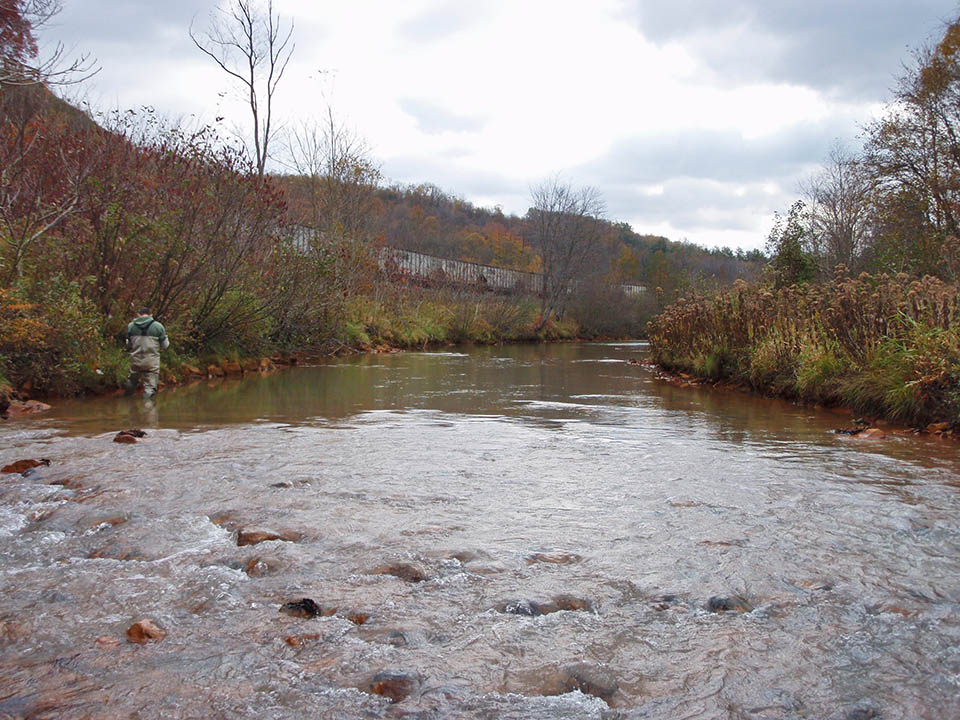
(495, 484)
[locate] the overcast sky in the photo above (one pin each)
(695, 119)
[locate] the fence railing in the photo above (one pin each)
(428, 267)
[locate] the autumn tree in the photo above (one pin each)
(20, 60)
(564, 225)
(914, 154)
(248, 43)
(44, 163)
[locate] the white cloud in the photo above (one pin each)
(492, 96)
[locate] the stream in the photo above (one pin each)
(527, 531)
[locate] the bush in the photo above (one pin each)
(883, 345)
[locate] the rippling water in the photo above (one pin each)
(553, 477)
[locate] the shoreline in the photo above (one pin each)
(866, 426)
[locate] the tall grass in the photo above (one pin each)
(884, 346)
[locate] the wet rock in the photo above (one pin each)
(590, 680)
(257, 567)
(231, 369)
(192, 370)
(872, 432)
(250, 366)
(862, 714)
(26, 407)
(358, 617)
(665, 601)
(734, 603)
(255, 537)
(145, 631)
(937, 427)
(22, 466)
(303, 608)
(215, 371)
(301, 640)
(129, 436)
(409, 572)
(266, 365)
(528, 608)
(106, 642)
(397, 639)
(119, 550)
(396, 686)
(535, 608)
(285, 484)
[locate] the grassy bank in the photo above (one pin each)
(55, 343)
(884, 346)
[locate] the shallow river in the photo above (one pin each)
(515, 532)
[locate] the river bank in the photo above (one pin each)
(886, 347)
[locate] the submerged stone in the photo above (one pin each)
(590, 680)
(396, 686)
(255, 537)
(410, 572)
(535, 608)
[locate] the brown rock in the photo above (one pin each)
(410, 572)
(872, 432)
(358, 618)
(215, 371)
(193, 370)
(257, 567)
(266, 365)
(301, 640)
(255, 537)
(250, 365)
(590, 680)
(145, 631)
(938, 427)
(29, 407)
(122, 437)
(393, 685)
(107, 642)
(231, 369)
(23, 465)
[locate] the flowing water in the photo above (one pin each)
(514, 532)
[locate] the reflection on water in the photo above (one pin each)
(555, 477)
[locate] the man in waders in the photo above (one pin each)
(145, 339)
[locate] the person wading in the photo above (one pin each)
(145, 339)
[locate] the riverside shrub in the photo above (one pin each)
(884, 345)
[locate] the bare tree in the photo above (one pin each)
(249, 45)
(21, 62)
(839, 202)
(334, 164)
(564, 225)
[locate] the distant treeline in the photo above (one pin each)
(425, 219)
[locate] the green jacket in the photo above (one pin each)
(145, 339)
